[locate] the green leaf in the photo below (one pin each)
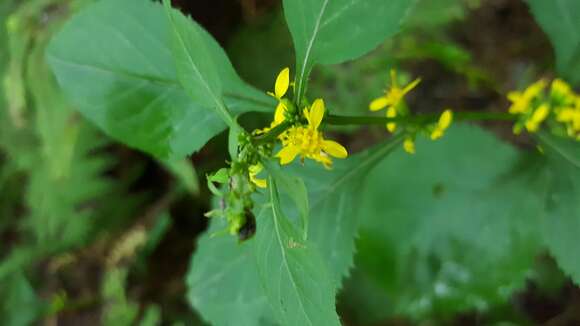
(560, 19)
(123, 79)
(334, 31)
(196, 70)
(223, 261)
(297, 283)
(561, 221)
(16, 292)
(561, 148)
(223, 283)
(436, 221)
(295, 188)
(335, 196)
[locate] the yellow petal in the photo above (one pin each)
(565, 115)
(260, 183)
(436, 134)
(541, 113)
(255, 169)
(535, 89)
(379, 103)
(391, 113)
(326, 161)
(561, 88)
(514, 96)
(282, 83)
(532, 126)
(279, 115)
(288, 154)
(445, 119)
(516, 108)
(409, 145)
(316, 113)
(412, 85)
(334, 149)
(576, 122)
(444, 122)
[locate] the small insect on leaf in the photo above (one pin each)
(248, 230)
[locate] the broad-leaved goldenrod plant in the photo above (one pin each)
(285, 215)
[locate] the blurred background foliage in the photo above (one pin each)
(92, 232)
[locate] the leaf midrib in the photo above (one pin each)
(309, 48)
(274, 199)
(223, 112)
(153, 79)
(560, 151)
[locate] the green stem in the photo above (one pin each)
(419, 119)
(272, 134)
(416, 119)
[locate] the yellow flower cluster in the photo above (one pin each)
(536, 105)
(436, 131)
(302, 139)
(394, 101)
(308, 142)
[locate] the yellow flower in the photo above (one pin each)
(566, 115)
(282, 84)
(444, 122)
(394, 95)
(562, 93)
(570, 116)
(391, 113)
(409, 145)
(535, 120)
(253, 171)
(308, 142)
(392, 99)
(521, 101)
(280, 89)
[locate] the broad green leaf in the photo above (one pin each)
(560, 19)
(295, 188)
(296, 281)
(334, 31)
(435, 222)
(223, 282)
(334, 201)
(123, 79)
(16, 292)
(561, 221)
(196, 68)
(333, 228)
(561, 148)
